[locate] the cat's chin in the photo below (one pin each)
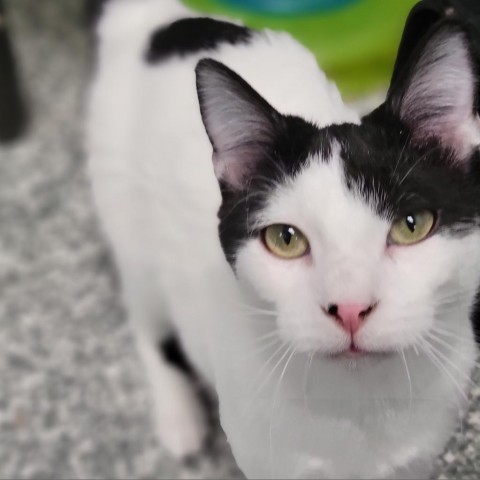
(355, 356)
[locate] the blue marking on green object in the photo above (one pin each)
(288, 7)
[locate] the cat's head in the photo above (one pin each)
(361, 236)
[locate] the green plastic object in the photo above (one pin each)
(355, 43)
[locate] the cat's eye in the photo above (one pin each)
(412, 228)
(285, 241)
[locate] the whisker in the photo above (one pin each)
(251, 308)
(463, 394)
(262, 347)
(456, 369)
(450, 334)
(427, 348)
(417, 162)
(404, 359)
(438, 337)
(277, 388)
(308, 366)
(245, 200)
(268, 376)
(400, 157)
(261, 338)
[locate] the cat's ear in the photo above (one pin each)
(435, 96)
(239, 122)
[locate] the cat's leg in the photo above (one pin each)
(180, 418)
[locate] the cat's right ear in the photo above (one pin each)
(241, 125)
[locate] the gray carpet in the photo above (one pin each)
(73, 402)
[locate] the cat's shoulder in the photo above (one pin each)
(191, 35)
(159, 31)
(167, 28)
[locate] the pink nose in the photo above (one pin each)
(350, 315)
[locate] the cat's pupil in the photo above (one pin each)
(287, 235)
(410, 221)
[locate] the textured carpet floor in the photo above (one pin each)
(73, 402)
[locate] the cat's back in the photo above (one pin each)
(144, 87)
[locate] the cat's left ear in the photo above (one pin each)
(241, 125)
(435, 97)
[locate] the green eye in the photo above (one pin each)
(285, 241)
(412, 228)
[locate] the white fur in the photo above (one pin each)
(287, 413)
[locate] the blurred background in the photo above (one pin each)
(73, 401)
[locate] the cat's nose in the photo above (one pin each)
(350, 315)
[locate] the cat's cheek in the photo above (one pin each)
(304, 327)
(394, 328)
(272, 278)
(417, 279)
(428, 262)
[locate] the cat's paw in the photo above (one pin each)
(183, 435)
(182, 425)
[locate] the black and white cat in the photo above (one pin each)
(323, 274)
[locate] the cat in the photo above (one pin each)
(320, 269)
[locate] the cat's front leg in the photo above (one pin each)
(180, 419)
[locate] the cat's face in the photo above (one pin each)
(355, 225)
(362, 237)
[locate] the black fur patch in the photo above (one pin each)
(294, 141)
(173, 353)
(191, 35)
(385, 166)
(94, 10)
(476, 318)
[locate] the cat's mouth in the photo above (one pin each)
(354, 352)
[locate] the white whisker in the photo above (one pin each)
(448, 333)
(267, 376)
(427, 348)
(417, 162)
(308, 366)
(272, 412)
(260, 349)
(446, 359)
(404, 359)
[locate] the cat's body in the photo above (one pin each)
(330, 414)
